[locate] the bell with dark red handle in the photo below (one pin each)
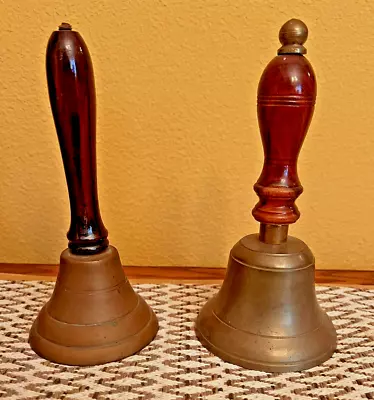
(94, 316)
(266, 315)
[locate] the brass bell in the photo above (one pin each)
(94, 316)
(266, 315)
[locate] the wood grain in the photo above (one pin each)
(72, 96)
(180, 274)
(285, 105)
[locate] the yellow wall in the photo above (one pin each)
(178, 143)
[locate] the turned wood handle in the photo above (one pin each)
(286, 97)
(72, 97)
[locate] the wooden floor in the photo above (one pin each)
(199, 275)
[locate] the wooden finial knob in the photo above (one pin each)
(293, 35)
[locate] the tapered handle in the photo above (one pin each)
(72, 97)
(286, 97)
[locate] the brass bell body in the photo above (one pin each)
(266, 315)
(94, 316)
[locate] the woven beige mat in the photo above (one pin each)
(175, 365)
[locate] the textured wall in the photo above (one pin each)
(178, 143)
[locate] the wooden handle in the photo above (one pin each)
(72, 97)
(286, 97)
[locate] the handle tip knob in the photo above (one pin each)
(293, 34)
(65, 27)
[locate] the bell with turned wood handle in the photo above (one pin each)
(94, 316)
(266, 315)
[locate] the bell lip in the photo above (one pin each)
(93, 355)
(263, 366)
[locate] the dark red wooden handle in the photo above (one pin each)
(286, 97)
(72, 97)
